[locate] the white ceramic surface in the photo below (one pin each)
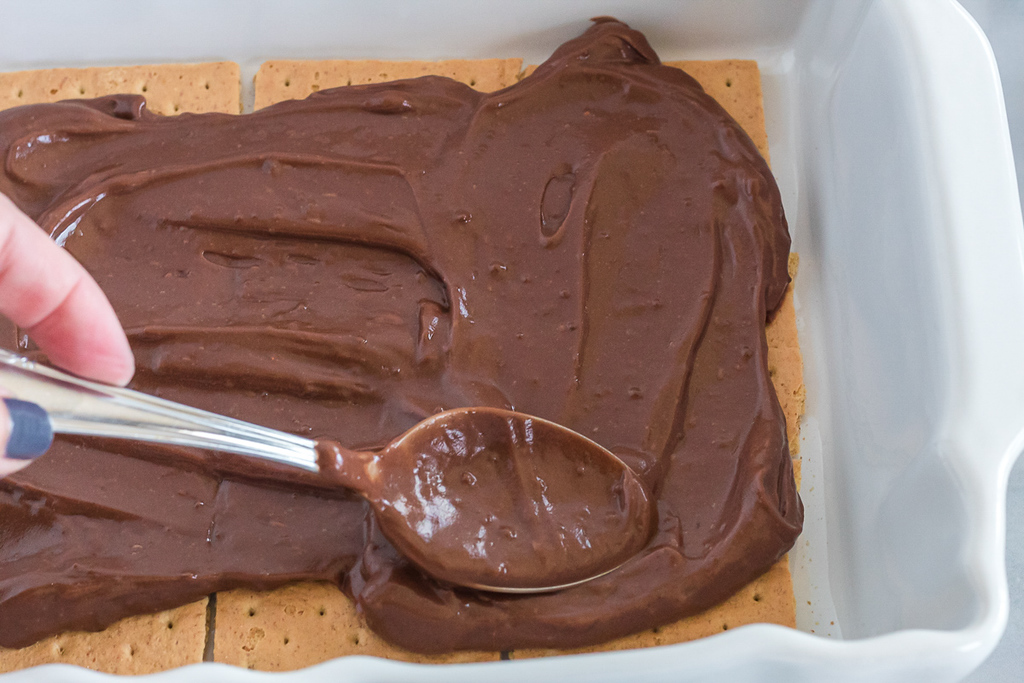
(1003, 23)
(889, 141)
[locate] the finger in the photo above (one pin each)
(46, 292)
(11, 466)
(25, 433)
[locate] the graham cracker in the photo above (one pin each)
(769, 598)
(308, 623)
(785, 365)
(135, 645)
(168, 88)
(281, 80)
(303, 624)
(733, 83)
(736, 85)
(154, 642)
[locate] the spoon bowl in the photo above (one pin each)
(500, 501)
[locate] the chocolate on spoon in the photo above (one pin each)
(498, 500)
(477, 497)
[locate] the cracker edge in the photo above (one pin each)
(168, 88)
(280, 80)
(134, 645)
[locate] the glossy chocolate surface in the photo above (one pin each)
(497, 500)
(598, 245)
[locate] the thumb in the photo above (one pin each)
(25, 433)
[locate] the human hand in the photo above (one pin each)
(50, 296)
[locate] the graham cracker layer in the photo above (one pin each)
(168, 88)
(786, 367)
(136, 645)
(281, 80)
(304, 624)
(317, 620)
(300, 625)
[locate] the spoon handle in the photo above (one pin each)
(78, 406)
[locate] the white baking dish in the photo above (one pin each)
(889, 140)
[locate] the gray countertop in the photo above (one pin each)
(1003, 23)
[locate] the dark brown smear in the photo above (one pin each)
(598, 245)
(489, 498)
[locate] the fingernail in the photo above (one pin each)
(31, 431)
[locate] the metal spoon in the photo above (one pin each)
(477, 497)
